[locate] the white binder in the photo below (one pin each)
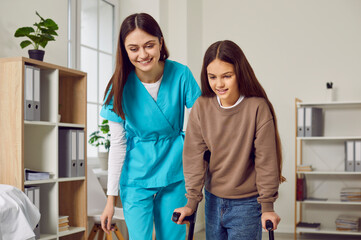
(37, 197)
(67, 153)
(313, 122)
(80, 168)
(350, 156)
(357, 156)
(36, 191)
(36, 95)
(300, 122)
(33, 194)
(30, 193)
(28, 93)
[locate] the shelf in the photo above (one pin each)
(333, 202)
(329, 231)
(71, 179)
(35, 144)
(40, 182)
(71, 230)
(341, 103)
(72, 98)
(326, 154)
(40, 123)
(330, 138)
(329, 173)
(53, 180)
(47, 236)
(71, 125)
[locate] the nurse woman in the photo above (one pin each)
(144, 102)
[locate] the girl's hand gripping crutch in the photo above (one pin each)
(191, 219)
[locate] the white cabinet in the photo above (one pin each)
(326, 154)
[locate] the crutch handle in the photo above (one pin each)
(269, 227)
(190, 219)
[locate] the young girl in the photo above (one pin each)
(144, 103)
(234, 120)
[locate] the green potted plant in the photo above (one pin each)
(39, 37)
(101, 137)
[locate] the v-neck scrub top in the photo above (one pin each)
(154, 128)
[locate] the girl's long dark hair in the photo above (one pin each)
(123, 65)
(249, 86)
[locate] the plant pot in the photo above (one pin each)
(103, 160)
(36, 54)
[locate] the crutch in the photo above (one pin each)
(269, 227)
(191, 219)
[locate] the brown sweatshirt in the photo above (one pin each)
(243, 159)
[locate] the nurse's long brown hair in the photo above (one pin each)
(123, 65)
(249, 86)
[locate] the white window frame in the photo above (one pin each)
(74, 43)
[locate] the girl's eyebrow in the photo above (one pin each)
(135, 45)
(230, 72)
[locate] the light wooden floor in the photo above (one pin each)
(287, 236)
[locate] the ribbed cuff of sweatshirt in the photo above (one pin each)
(192, 204)
(267, 207)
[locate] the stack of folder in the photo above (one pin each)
(350, 194)
(32, 93)
(348, 223)
(306, 226)
(63, 223)
(304, 168)
(33, 175)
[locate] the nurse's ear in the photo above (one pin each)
(160, 44)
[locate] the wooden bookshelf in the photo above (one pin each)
(34, 144)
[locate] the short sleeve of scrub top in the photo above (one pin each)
(108, 113)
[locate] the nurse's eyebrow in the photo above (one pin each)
(230, 72)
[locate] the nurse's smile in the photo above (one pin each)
(145, 62)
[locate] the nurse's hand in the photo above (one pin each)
(107, 215)
(184, 211)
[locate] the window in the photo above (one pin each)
(95, 52)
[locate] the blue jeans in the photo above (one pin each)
(232, 218)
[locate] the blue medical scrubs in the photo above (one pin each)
(152, 181)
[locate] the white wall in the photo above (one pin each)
(294, 47)
(181, 25)
(21, 13)
(137, 6)
(194, 37)
(172, 18)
